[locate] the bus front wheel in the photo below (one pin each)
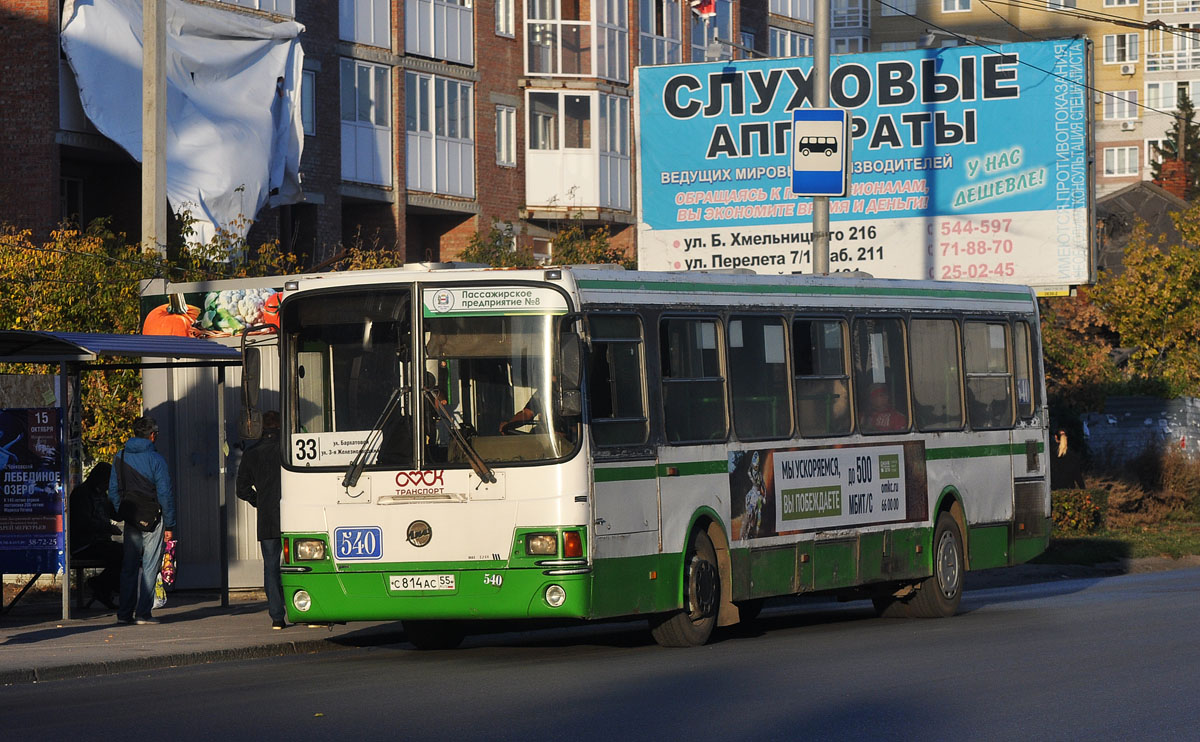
(693, 625)
(434, 634)
(940, 594)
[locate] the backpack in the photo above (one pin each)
(139, 501)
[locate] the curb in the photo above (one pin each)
(182, 659)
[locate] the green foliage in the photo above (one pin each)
(497, 248)
(1152, 306)
(1077, 511)
(1185, 115)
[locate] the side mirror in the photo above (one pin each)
(250, 423)
(570, 370)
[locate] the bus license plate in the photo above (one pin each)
(422, 582)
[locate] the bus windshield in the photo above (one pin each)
(350, 358)
(495, 376)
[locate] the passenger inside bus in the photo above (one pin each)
(882, 416)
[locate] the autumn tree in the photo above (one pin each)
(1077, 351)
(574, 244)
(1152, 305)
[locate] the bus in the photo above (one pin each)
(590, 443)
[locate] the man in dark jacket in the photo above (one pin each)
(92, 530)
(258, 484)
(143, 549)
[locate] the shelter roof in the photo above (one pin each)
(27, 346)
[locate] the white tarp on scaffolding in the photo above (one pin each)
(234, 133)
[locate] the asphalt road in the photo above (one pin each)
(1114, 658)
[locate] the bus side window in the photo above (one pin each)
(1027, 390)
(758, 378)
(880, 375)
(989, 378)
(692, 386)
(616, 396)
(937, 374)
(822, 381)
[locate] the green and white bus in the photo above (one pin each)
(586, 443)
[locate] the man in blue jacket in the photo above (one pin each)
(145, 473)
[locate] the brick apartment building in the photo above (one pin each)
(426, 120)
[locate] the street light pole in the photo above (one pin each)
(820, 223)
(154, 126)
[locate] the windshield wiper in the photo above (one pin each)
(477, 463)
(373, 439)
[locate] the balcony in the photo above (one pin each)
(1171, 7)
(1172, 61)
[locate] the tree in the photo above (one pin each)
(1077, 349)
(1152, 305)
(1185, 115)
(497, 247)
(574, 244)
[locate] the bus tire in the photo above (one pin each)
(693, 625)
(434, 634)
(940, 593)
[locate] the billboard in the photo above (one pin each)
(968, 163)
(31, 498)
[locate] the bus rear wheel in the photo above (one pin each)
(693, 625)
(940, 594)
(434, 634)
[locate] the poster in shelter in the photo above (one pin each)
(31, 495)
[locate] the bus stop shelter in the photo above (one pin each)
(75, 353)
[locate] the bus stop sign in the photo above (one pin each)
(820, 152)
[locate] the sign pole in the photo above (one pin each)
(820, 222)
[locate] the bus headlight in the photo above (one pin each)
(555, 596)
(541, 544)
(302, 601)
(309, 550)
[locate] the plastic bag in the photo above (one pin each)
(168, 563)
(160, 592)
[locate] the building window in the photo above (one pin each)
(365, 22)
(660, 34)
(560, 121)
(1120, 161)
(1121, 104)
(1152, 148)
(956, 6)
(612, 40)
(800, 10)
(706, 31)
(1115, 3)
(785, 43)
(440, 29)
(614, 152)
(308, 113)
(1121, 47)
(506, 18)
(897, 46)
(439, 135)
(278, 7)
(847, 44)
(1062, 3)
(506, 136)
(898, 7)
(849, 14)
(366, 122)
(70, 195)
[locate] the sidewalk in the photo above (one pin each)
(195, 629)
